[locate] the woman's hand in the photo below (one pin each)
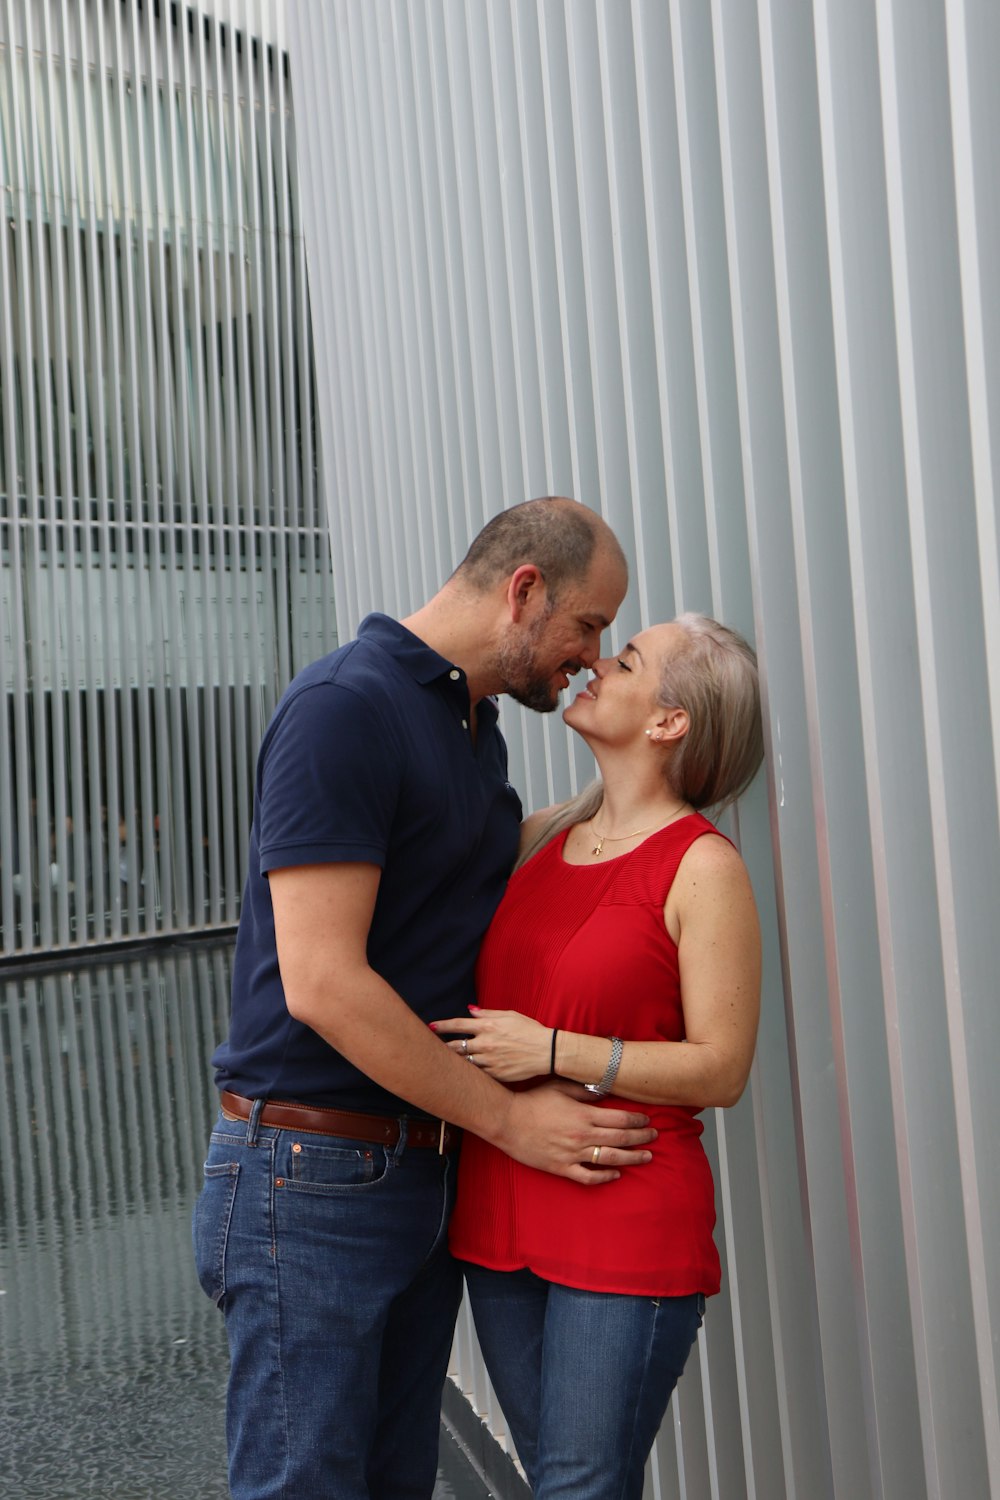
(505, 1044)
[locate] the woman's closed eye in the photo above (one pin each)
(624, 665)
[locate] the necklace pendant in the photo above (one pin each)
(598, 847)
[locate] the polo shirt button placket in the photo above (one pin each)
(456, 676)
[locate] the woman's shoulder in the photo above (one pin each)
(711, 889)
(710, 859)
(701, 834)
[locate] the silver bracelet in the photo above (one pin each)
(610, 1072)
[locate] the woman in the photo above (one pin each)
(625, 956)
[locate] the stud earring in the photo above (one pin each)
(649, 732)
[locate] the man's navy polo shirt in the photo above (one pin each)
(369, 758)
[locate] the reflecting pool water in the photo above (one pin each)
(112, 1362)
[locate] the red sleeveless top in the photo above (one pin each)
(585, 948)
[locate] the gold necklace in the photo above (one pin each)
(619, 838)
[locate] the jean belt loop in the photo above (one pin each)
(396, 1155)
(253, 1124)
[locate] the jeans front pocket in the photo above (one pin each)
(213, 1214)
(322, 1166)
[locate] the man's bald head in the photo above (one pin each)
(559, 536)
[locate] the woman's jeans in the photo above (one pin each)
(583, 1377)
(329, 1260)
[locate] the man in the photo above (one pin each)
(384, 827)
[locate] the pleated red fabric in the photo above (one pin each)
(585, 948)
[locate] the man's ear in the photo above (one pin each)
(525, 590)
(671, 725)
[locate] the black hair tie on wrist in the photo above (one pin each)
(552, 1054)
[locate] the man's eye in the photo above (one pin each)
(624, 665)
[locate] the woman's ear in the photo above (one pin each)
(671, 726)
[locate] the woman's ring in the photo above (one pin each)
(465, 1046)
(596, 1156)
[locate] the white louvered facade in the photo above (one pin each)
(729, 271)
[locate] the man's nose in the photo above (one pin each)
(590, 655)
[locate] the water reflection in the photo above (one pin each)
(112, 1362)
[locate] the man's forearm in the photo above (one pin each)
(370, 1024)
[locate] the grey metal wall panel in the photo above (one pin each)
(162, 552)
(730, 272)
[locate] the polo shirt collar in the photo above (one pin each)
(414, 655)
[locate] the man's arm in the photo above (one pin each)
(322, 917)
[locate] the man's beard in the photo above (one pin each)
(519, 672)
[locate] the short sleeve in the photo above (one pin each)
(328, 781)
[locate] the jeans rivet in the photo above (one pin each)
(296, 1148)
(279, 1182)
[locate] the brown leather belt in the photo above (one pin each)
(315, 1119)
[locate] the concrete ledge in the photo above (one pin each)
(484, 1454)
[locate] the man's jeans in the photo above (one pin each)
(329, 1260)
(583, 1377)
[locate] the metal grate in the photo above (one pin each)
(164, 559)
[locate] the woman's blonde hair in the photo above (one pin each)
(713, 676)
